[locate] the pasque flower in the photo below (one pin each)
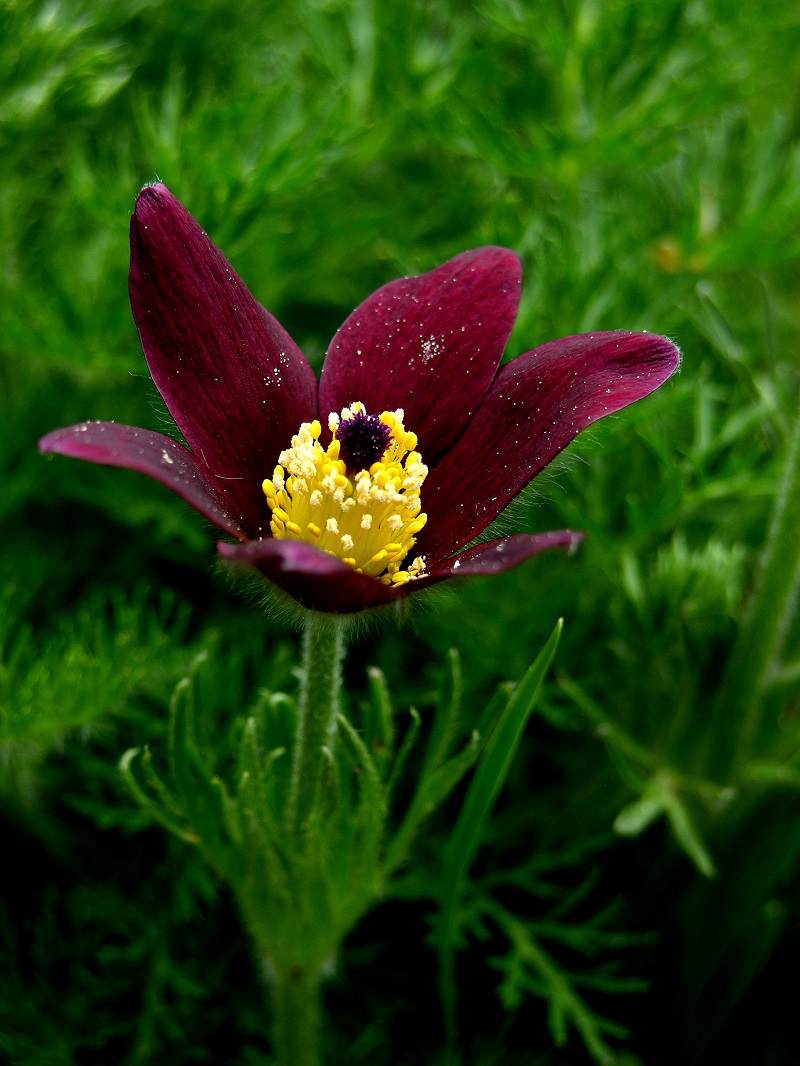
(356, 490)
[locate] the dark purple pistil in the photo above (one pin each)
(362, 440)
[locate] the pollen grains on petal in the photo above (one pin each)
(359, 498)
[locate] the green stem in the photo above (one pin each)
(321, 678)
(758, 647)
(297, 1014)
(280, 927)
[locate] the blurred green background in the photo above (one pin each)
(642, 157)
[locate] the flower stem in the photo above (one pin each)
(297, 1016)
(321, 678)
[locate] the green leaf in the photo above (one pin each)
(431, 792)
(182, 747)
(380, 731)
(660, 797)
(491, 773)
(231, 815)
(365, 759)
(466, 838)
(638, 815)
(369, 815)
(152, 806)
(687, 834)
(405, 749)
(529, 968)
(445, 722)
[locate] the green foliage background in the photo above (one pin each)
(642, 157)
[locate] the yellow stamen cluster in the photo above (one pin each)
(367, 518)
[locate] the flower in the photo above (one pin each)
(352, 492)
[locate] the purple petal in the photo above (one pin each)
(495, 556)
(233, 379)
(429, 344)
(536, 406)
(150, 453)
(314, 578)
(323, 583)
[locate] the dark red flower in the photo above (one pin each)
(417, 365)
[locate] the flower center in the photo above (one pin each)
(359, 498)
(362, 440)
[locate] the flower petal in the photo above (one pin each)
(314, 578)
(162, 458)
(322, 582)
(538, 403)
(495, 556)
(429, 344)
(233, 379)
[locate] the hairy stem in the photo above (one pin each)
(296, 1005)
(321, 678)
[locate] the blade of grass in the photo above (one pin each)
(466, 838)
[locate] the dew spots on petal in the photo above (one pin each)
(430, 349)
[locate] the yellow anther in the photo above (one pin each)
(367, 518)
